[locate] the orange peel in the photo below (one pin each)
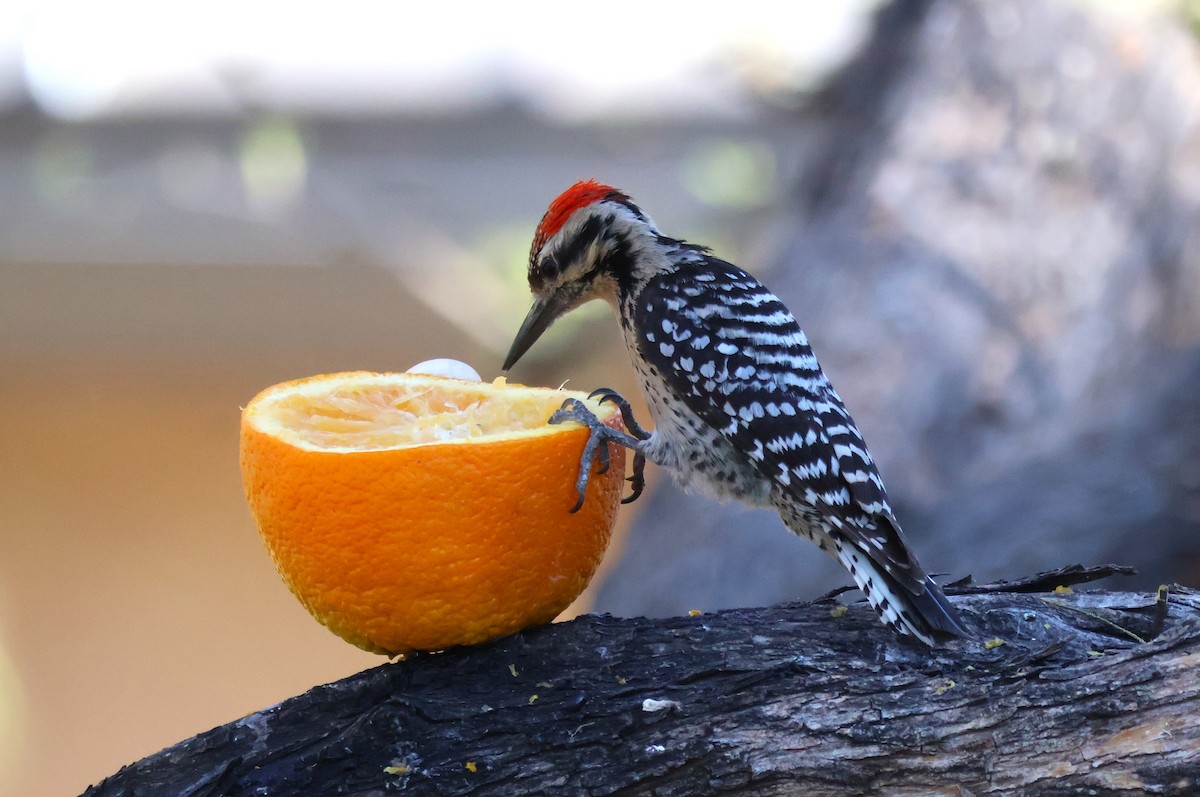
(415, 512)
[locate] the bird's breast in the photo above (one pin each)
(697, 456)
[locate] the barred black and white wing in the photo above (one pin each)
(735, 356)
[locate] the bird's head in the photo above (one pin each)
(586, 245)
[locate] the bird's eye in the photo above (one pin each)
(547, 269)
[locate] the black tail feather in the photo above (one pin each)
(913, 607)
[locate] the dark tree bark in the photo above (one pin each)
(1061, 693)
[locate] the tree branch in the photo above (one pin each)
(1057, 695)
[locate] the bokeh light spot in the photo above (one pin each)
(274, 165)
(71, 71)
(730, 174)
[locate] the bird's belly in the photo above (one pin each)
(706, 468)
(698, 457)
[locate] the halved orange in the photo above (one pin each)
(411, 512)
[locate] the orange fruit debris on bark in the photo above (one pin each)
(411, 512)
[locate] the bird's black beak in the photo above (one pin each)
(541, 316)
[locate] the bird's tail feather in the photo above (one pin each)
(926, 614)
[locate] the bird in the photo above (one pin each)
(741, 407)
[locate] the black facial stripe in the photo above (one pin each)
(572, 249)
(618, 261)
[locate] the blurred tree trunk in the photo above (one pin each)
(1061, 693)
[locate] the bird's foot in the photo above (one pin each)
(637, 482)
(597, 444)
(608, 394)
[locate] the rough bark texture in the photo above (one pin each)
(1062, 693)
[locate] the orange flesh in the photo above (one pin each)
(382, 416)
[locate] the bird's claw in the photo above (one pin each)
(637, 482)
(608, 394)
(597, 446)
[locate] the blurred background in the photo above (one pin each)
(983, 212)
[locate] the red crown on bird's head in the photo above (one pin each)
(580, 195)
